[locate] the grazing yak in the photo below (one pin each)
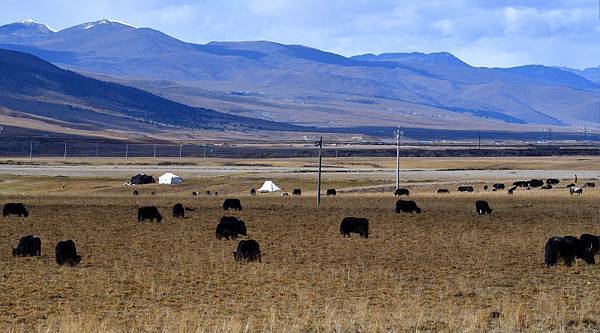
(465, 189)
(511, 190)
(66, 253)
(29, 246)
(547, 187)
(135, 192)
(248, 250)
(297, 192)
(285, 194)
(535, 183)
(356, 225)
(401, 191)
(574, 189)
(552, 181)
(208, 192)
(442, 190)
(331, 192)
(195, 193)
(482, 207)
(178, 211)
(589, 248)
(565, 248)
(234, 204)
(15, 209)
(230, 227)
(520, 183)
(253, 192)
(485, 187)
(589, 185)
(149, 213)
(498, 187)
(407, 206)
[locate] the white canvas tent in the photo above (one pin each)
(269, 186)
(169, 178)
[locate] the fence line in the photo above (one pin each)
(40, 148)
(65, 149)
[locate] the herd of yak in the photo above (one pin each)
(565, 248)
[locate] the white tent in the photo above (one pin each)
(269, 186)
(169, 178)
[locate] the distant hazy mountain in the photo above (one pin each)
(592, 74)
(441, 58)
(35, 89)
(302, 85)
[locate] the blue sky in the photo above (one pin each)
(483, 33)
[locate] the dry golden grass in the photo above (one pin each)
(443, 270)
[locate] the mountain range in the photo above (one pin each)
(36, 91)
(300, 85)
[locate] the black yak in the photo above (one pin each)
(247, 250)
(15, 209)
(482, 207)
(29, 246)
(357, 225)
(178, 211)
(66, 253)
(565, 248)
(234, 204)
(149, 213)
(407, 206)
(230, 227)
(498, 187)
(401, 191)
(465, 189)
(589, 248)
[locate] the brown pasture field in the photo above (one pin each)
(443, 270)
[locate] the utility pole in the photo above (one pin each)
(97, 150)
(320, 144)
(65, 154)
(154, 156)
(126, 150)
(204, 155)
(30, 150)
(180, 150)
(398, 134)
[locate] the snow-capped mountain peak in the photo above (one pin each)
(32, 23)
(28, 30)
(105, 22)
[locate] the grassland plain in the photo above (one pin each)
(443, 270)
